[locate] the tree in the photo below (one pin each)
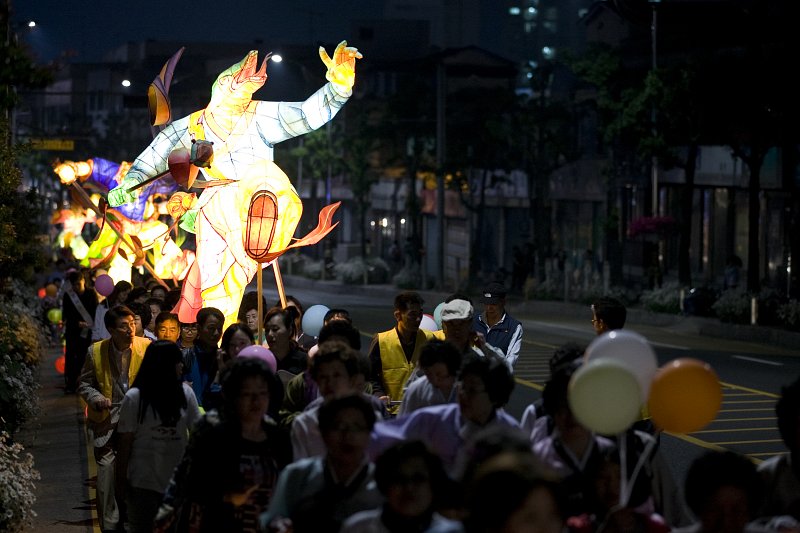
(601, 68)
(20, 248)
(20, 253)
(545, 129)
(359, 147)
(493, 151)
(18, 70)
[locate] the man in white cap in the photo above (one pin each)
(500, 329)
(457, 319)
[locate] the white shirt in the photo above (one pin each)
(421, 393)
(156, 449)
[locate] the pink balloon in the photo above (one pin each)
(260, 352)
(103, 284)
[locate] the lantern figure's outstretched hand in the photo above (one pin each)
(342, 66)
(120, 196)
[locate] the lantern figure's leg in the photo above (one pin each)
(276, 268)
(260, 287)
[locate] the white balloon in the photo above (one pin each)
(604, 396)
(629, 348)
(428, 323)
(312, 319)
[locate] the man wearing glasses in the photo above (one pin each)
(110, 368)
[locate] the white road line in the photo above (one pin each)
(755, 360)
(673, 346)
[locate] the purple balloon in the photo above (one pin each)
(103, 284)
(260, 352)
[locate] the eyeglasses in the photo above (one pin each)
(189, 327)
(346, 428)
(414, 479)
(469, 391)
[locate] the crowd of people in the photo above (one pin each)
(195, 431)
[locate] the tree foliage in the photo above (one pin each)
(20, 250)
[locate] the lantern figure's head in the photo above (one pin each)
(236, 85)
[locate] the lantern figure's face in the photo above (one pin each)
(236, 85)
(270, 210)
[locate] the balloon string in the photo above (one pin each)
(623, 469)
(639, 464)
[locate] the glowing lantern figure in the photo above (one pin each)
(136, 221)
(70, 237)
(249, 210)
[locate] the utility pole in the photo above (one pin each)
(441, 91)
(654, 160)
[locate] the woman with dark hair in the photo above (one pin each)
(304, 341)
(154, 421)
(281, 331)
(724, 492)
(248, 311)
(412, 479)
(237, 336)
(235, 455)
(317, 494)
(509, 494)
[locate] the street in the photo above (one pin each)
(751, 374)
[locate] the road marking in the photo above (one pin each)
(727, 402)
(771, 454)
(743, 410)
(541, 344)
(696, 442)
(746, 442)
(673, 346)
(92, 472)
(731, 430)
(529, 384)
(754, 391)
(756, 360)
(743, 419)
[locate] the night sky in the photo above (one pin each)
(86, 29)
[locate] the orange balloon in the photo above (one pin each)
(685, 396)
(60, 362)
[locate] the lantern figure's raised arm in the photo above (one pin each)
(243, 132)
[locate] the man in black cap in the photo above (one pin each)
(500, 329)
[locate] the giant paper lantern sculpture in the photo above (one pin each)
(72, 221)
(248, 210)
(120, 243)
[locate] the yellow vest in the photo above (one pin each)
(396, 368)
(102, 369)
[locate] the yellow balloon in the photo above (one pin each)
(685, 396)
(54, 315)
